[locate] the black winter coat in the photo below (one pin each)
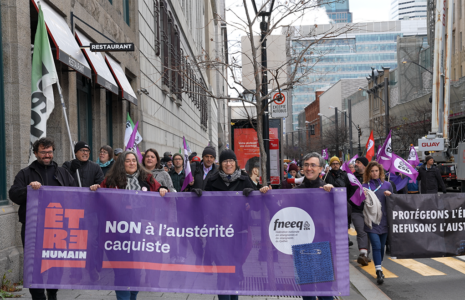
(430, 180)
(18, 191)
(107, 168)
(216, 183)
(197, 172)
(311, 184)
(89, 172)
(339, 179)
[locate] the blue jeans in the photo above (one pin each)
(319, 297)
(378, 242)
(126, 295)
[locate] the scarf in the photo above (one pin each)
(230, 178)
(372, 209)
(133, 182)
(105, 164)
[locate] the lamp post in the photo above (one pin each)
(266, 125)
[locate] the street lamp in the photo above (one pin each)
(412, 62)
(265, 11)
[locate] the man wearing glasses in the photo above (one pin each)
(90, 173)
(43, 171)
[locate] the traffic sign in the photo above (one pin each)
(279, 105)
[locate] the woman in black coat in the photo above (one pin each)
(230, 178)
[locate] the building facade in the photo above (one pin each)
(175, 37)
(408, 9)
(339, 11)
(351, 55)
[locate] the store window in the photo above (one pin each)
(84, 105)
(109, 117)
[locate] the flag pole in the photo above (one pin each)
(67, 127)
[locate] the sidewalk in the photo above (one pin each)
(361, 288)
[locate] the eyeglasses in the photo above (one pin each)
(335, 164)
(228, 161)
(46, 152)
(178, 159)
(103, 152)
(313, 166)
(85, 151)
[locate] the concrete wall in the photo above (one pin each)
(19, 19)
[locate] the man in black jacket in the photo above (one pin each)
(338, 178)
(205, 169)
(43, 171)
(430, 177)
(90, 173)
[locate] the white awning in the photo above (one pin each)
(97, 62)
(126, 90)
(68, 50)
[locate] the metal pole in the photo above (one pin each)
(337, 135)
(447, 72)
(386, 99)
(3, 180)
(266, 125)
(67, 127)
(349, 103)
(359, 145)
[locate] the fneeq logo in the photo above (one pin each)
(291, 226)
(63, 247)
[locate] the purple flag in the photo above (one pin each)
(353, 159)
(413, 157)
(359, 196)
(345, 167)
(385, 153)
(132, 139)
(127, 238)
(398, 164)
(139, 155)
(187, 167)
(398, 181)
(325, 154)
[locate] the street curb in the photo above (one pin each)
(365, 286)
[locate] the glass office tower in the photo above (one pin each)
(339, 12)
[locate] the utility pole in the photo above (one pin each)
(337, 134)
(349, 104)
(266, 122)
(386, 99)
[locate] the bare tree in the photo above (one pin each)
(299, 63)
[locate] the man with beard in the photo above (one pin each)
(338, 178)
(43, 171)
(90, 173)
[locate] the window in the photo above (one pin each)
(109, 115)
(126, 11)
(156, 28)
(84, 105)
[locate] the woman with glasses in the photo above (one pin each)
(129, 174)
(151, 161)
(230, 178)
(373, 180)
(105, 159)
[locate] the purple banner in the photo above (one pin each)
(290, 243)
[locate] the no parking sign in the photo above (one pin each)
(279, 105)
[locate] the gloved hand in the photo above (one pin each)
(75, 164)
(246, 192)
(197, 191)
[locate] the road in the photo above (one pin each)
(426, 278)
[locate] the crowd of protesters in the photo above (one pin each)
(123, 170)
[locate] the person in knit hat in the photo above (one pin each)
(204, 169)
(90, 173)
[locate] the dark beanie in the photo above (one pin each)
(227, 154)
(80, 145)
(193, 154)
(293, 167)
(209, 150)
(363, 160)
(428, 158)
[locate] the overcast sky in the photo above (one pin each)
(370, 10)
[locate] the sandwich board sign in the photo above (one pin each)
(279, 105)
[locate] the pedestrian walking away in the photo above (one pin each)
(42, 172)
